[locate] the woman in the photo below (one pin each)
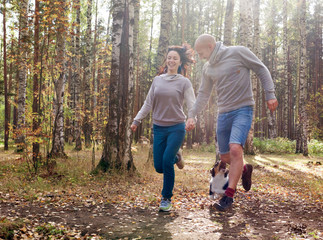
(165, 98)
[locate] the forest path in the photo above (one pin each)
(285, 202)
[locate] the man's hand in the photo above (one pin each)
(272, 104)
(133, 127)
(190, 124)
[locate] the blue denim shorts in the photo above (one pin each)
(233, 127)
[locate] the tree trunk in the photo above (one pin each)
(285, 73)
(246, 23)
(228, 23)
(77, 79)
(136, 62)
(36, 127)
(165, 30)
(272, 124)
(59, 84)
(302, 78)
(7, 119)
(87, 125)
(22, 75)
(117, 148)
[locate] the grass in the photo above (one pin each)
(286, 146)
(288, 170)
(8, 227)
(50, 230)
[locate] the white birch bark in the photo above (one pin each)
(22, 75)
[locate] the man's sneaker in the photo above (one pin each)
(165, 205)
(246, 177)
(180, 160)
(224, 204)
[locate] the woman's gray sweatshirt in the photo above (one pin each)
(165, 98)
(229, 70)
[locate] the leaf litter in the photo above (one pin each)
(279, 206)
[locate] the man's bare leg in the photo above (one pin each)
(236, 164)
(225, 158)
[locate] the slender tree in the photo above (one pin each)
(59, 82)
(36, 128)
(6, 121)
(87, 125)
(22, 74)
(285, 69)
(302, 78)
(77, 78)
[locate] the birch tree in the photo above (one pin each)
(246, 23)
(77, 79)
(36, 129)
(117, 148)
(228, 23)
(59, 79)
(87, 126)
(22, 73)
(285, 69)
(165, 30)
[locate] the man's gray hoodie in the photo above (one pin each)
(229, 70)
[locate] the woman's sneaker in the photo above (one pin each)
(165, 205)
(180, 160)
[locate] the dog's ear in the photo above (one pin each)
(212, 171)
(223, 165)
(226, 173)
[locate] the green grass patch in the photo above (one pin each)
(49, 230)
(286, 146)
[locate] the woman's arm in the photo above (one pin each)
(146, 108)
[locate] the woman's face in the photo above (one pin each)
(173, 61)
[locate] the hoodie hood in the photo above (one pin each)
(214, 56)
(170, 77)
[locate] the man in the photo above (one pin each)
(228, 68)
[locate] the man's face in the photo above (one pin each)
(203, 50)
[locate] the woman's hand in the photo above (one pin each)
(190, 124)
(133, 127)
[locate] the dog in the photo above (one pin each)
(219, 179)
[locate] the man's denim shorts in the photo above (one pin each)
(233, 127)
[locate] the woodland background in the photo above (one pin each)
(76, 72)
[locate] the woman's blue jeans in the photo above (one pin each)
(167, 141)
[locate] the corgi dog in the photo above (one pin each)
(219, 179)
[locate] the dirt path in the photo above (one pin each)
(279, 206)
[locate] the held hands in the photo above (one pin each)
(133, 127)
(190, 124)
(272, 104)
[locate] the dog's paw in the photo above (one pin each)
(211, 197)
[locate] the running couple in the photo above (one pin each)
(228, 68)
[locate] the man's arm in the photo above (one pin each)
(251, 61)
